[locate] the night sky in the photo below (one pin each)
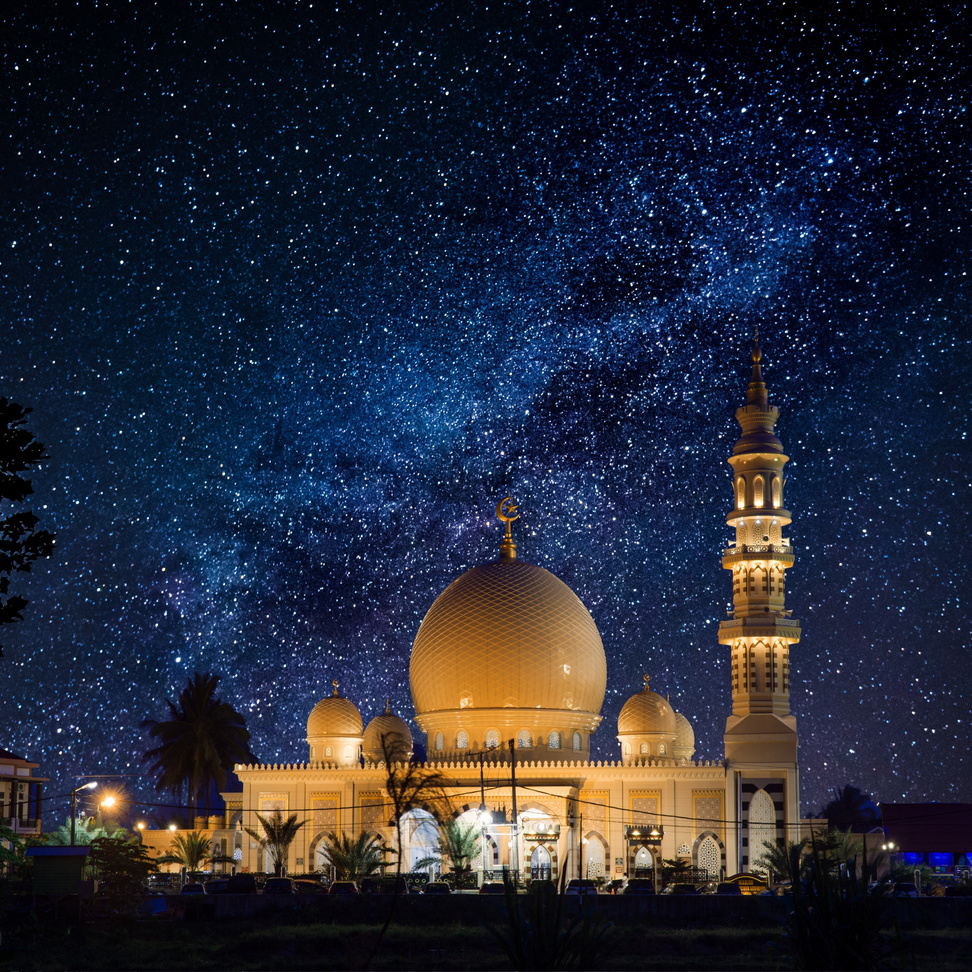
(298, 292)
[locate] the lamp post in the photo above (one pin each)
(74, 804)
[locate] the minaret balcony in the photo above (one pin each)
(759, 626)
(757, 551)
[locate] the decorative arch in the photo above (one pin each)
(740, 493)
(439, 741)
(777, 492)
(492, 739)
(578, 742)
(553, 740)
(758, 491)
(524, 740)
(462, 739)
(595, 855)
(762, 825)
(709, 854)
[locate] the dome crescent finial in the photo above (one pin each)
(647, 680)
(334, 682)
(505, 509)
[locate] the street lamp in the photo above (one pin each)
(74, 804)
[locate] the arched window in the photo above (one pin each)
(627, 749)
(762, 826)
(577, 742)
(347, 754)
(553, 740)
(492, 738)
(643, 749)
(661, 749)
(740, 493)
(593, 858)
(462, 739)
(758, 491)
(524, 740)
(328, 752)
(438, 741)
(777, 499)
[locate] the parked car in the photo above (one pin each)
(581, 886)
(279, 885)
(343, 887)
(727, 887)
(193, 888)
(309, 886)
(241, 884)
(639, 886)
(218, 886)
(681, 889)
(493, 887)
(437, 887)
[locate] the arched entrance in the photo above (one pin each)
(420, 840)
(540, 864)
(593, 857)
(644, 863)
(709, 857)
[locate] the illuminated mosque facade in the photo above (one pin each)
(508, 668)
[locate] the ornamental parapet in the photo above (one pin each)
(769, 626)
(765, 551)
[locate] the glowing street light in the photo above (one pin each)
(74, 804)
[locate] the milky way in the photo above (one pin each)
(298, 292)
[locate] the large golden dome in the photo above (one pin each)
(508, 635)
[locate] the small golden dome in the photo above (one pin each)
(396, 735)
(684, 736)
(334, 716)
(647, 713)
(507, 635)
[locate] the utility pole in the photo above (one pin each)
(514, 829)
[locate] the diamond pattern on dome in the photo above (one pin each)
(334, 716)
(508, 634)
(647, 712)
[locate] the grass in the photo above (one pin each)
(299, 941)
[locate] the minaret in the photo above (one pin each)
(761, 736)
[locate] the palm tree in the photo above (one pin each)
(353, 859)
(199, 744)
(409, 786)
(192, 851)
(853, 810)
(278, 834)
(458, 844)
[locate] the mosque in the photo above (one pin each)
(508, 676)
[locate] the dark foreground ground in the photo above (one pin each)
(458, 933)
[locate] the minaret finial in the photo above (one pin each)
(504, 511)
(334, 683)
(647, 680)
(387, 706)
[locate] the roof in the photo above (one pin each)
(935, 827)
(7, 755)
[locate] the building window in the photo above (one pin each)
(524, 740)
(462, 739)
(758, 491)
(347, 754)
(577, 742)
(328, 752)
(740, 493)
(553, 740)
(643, 749)
(438, 741)
(661, 749)
(492, 739)
(777, 499)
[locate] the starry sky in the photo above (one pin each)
(299, 291)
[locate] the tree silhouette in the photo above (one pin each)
(353, 858)
(278, 834)
(20, 543)
(853, 810)
(199, 744)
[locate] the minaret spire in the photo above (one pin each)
(761, 631)
(761, 734)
